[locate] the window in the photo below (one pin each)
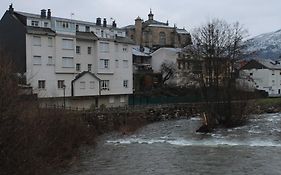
(125, 83)
(67, 44)
(41, 84)
(78, 49)
(46, 24)
(87, 28)
(89, 50)
(111, 99)
(104, 47)
(104, 63)
(36, 41)
(50, 60)
(92, 84)
(78, 67)
(125, 49)
(122, 99)
(102, 34)
(251, 74)
(89, 67)
(35, 23)
(116, 47)
(63, 24)
(82, 84)
(104, 84)
(162, 38)
(61, 84)
(67, 62)
(117, 63)
(37, 60)
(125, 63)
(77, 28)
(50, 42)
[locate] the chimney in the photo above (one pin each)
(49, 14)
(114, 25)
(43, 13)
(104, 22)
(11, 9)
(98, 22)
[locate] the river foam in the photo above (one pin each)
(207, 142)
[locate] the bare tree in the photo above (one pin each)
(168, 70)
(219, 45)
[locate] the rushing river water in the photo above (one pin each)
(173, 148)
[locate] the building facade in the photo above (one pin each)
(69, 58)
(155, 34)
(263, 75)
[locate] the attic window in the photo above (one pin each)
(35, 23)
(46, 24)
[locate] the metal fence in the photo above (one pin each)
(142, 100)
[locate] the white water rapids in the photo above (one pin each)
(173, 147)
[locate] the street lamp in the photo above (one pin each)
(133, 97)
(63, 86)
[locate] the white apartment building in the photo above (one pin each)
(70, 58)
(263, 75)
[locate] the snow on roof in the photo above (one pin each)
(159, 25)
(137, 51)
(30, 15)
(182, 31)
(129, 27)
(168, 49)
(271, 64)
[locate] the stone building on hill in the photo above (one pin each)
(155, 34)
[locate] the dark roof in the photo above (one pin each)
(83, 73)
(40, 31)
(86, 36)
(254, 64)
(125, 40)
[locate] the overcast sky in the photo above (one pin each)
(258, 16)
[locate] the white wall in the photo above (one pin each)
(161, 55)
(52, 73)
(116, 75)
(265, 79)
(87, 90)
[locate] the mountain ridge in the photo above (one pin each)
(265, 46)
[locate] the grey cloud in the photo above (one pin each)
(258, 16)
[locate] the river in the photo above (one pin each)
(173, 148)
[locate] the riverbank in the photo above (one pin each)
(41, 141)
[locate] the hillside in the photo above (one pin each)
(267, 46)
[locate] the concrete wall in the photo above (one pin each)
(81, 103)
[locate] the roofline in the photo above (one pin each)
(67, 19)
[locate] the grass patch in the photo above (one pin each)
(268, 101)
